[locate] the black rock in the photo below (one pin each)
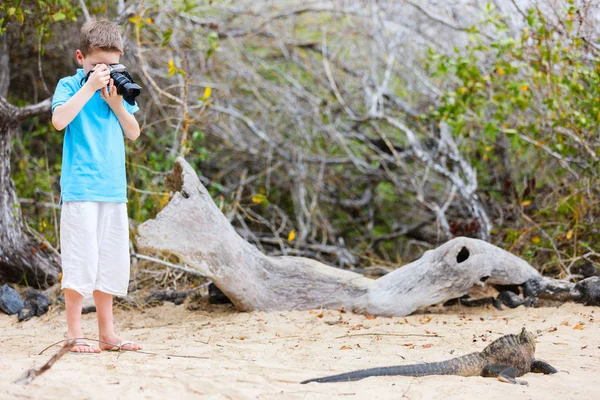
(10, 301)
(586, 269)
(468, 301)
(532, 288)
(507, 288)
(587, 291)
(483, 301)
(88, 309)
(36, 305)
(173, 296)
(451, 302)
(510, 299)
(216, 296)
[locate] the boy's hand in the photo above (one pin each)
(99, 78)
(111, 96)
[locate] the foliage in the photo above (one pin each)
(528, 119)
(249, 95)
(39, 15)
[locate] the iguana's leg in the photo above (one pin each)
(492, 370)
(504, 373)
(542, 367)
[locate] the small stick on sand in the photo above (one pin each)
(389, 334)
(33, 373)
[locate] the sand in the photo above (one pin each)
(218, 353)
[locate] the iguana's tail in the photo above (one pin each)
(469, 364)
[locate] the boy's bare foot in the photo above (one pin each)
(115, 343)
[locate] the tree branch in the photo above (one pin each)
(35, 109)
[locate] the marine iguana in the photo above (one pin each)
(505, 358)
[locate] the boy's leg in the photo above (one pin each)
(73, 304)
(78, 264)
(113, 271)
(106, 327)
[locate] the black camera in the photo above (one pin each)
(124, 83)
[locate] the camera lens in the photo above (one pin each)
(125, 87)
(131, 89)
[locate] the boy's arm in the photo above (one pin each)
(64, 113)
(129, 124)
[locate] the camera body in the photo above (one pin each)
(124, 83)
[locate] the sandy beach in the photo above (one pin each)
(218, 353)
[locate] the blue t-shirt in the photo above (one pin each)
(93, 163)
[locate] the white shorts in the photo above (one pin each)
(94, 241)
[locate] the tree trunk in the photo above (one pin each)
(22, 259)
(193, 228)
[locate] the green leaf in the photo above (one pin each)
(213, 43)
(198, 135)
(530, 18)
(167, 37)
(59, 16)
(213, 38)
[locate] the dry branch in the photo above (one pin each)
(33, 373)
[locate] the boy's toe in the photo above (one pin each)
(131, 346)
(83, 347)
(121, 345)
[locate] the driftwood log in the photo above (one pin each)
(193, 228)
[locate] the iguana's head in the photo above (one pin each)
(526, 338)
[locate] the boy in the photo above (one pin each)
(94, 228)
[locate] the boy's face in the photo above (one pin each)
(96, 57)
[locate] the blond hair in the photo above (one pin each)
(101, 35)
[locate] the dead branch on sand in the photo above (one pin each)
(33, 373)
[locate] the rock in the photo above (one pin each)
(10, 301)
(216, 296)
(510, 299)
(173, 296)
(36, 305)
(556, 290)
(587, 291)
(448, 303)
(532, 288)
(88, 309)
(547, 289)
(468, 301)
(507, 288)
(586, 269)
(88, 306)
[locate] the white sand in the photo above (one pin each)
(265, 355)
